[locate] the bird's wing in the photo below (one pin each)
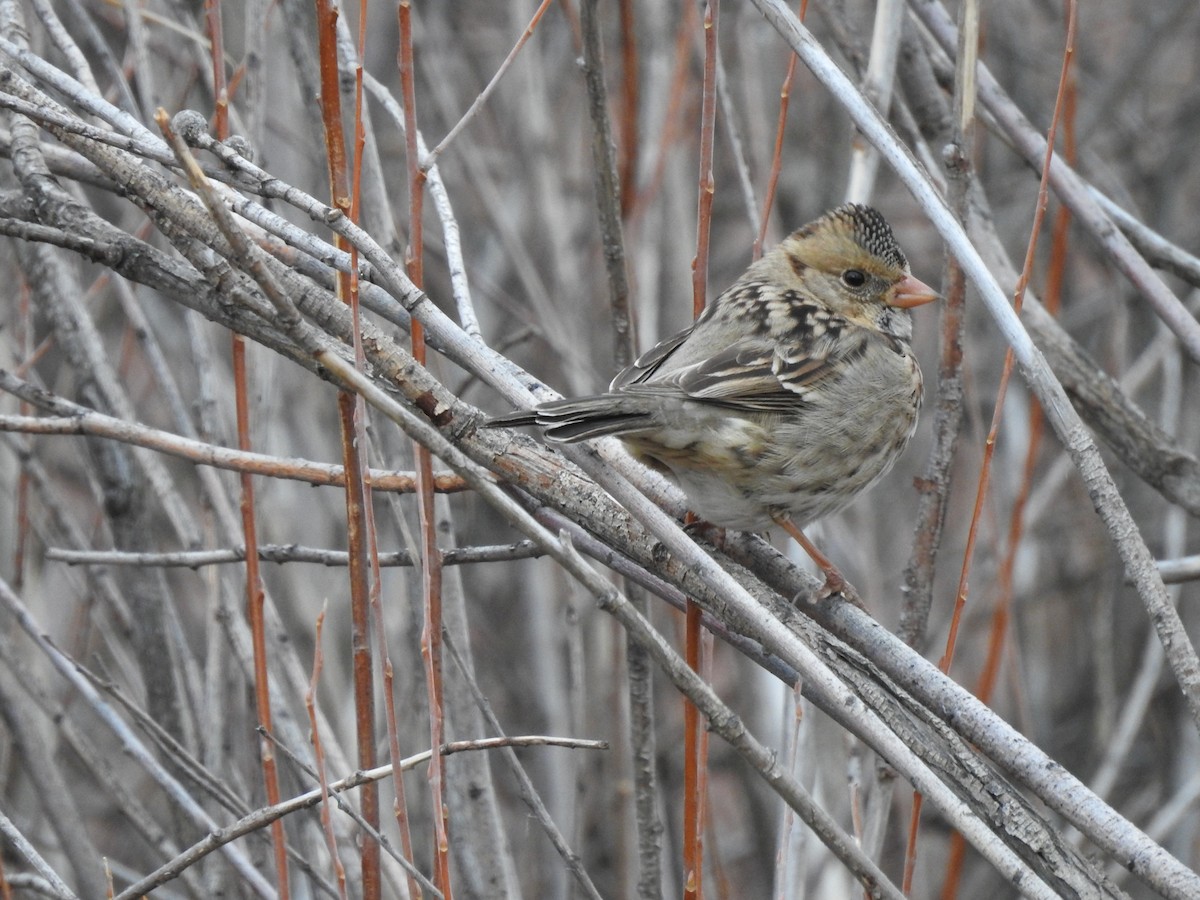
(649, 362)
(767, 374)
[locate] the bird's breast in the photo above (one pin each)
(740, 467)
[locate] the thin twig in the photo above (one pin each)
(83, 421)
(525, 784)
(694, 745)
(477, 104)
(608, 188)
(877, 87)
(128, 740)
(785, 94)
(219, 837)
(310, 704)
(284, 553)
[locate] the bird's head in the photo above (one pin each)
(849, 260)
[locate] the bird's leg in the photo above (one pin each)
(835, 582)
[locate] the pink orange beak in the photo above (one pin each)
(910, 292)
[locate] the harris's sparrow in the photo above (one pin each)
(794, 391)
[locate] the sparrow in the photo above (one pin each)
(793, 392)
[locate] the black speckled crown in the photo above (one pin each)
(871, 232)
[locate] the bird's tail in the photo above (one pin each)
(569, 421)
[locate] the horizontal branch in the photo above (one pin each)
(286, 553)
(1177, 571)
(81, 421)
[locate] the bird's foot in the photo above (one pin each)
(835, 583)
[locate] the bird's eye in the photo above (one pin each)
(853, 278)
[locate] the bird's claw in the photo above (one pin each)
(836, 584)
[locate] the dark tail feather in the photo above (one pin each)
(568, 421)
(513, 419)
(584, 429)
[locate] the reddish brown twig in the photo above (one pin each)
(431, 569)
(254, 590)
(353, 451)
(1002, 390)
(694, 744)
(1064, 104)
(785, 93)
(998, 631)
